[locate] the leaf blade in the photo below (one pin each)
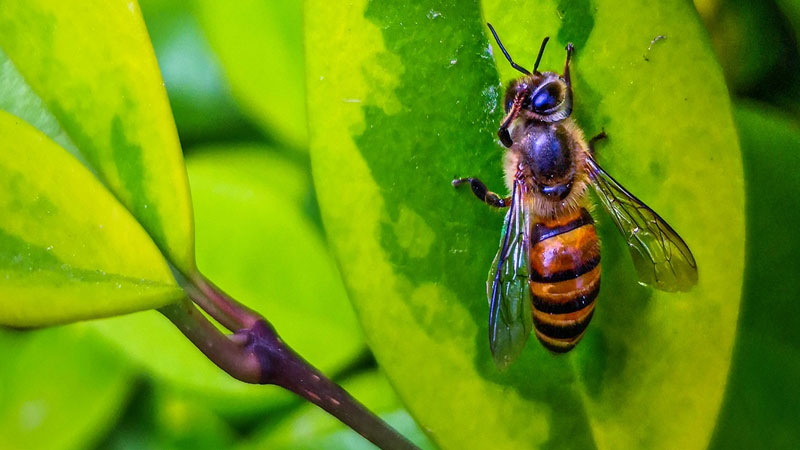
(418, 246)
(95, 72)
(61, 237)
(265, 264)
(36, 412)
(267, 79)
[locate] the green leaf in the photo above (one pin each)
(60, 388)
(761, 405)
(253, 239)
(312, 428)
(68, 249)
(94, 72)
(791, 9)
(423, 105)
(200, 98)
(278, 264)
(260, 46)
(158, 418)
(748, 44)
(189, 425)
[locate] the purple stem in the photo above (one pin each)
(256, 354)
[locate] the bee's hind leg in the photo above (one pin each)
(483, 193)
(592, 141)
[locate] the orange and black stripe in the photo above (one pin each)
(564, 279)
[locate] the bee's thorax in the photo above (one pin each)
(552, 159)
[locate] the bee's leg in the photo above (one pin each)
(601, 135)
(502, 133)
(570, 49)
(480, 191)
(504, 136)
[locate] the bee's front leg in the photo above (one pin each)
(480, 191)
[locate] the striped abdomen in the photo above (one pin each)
(564, 279)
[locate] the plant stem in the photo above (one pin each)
(256, 354)
(228, 353)
(219, 305)
(287, 369)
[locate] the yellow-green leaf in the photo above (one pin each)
(411, 96)
(254, 239)
(68, 249)
(260, 46)
(90, 65)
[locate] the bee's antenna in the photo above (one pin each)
(513, 64)
(541, 52)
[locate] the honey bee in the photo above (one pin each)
(546, 274)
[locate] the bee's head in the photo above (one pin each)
(542, 96)
(545, 97)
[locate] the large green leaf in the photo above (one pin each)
(411, 99)
(749, 46)
(159, 419)
(60, 389)
(253, 239)
(260, 46)
(89, 69)
(762, 400)
(791, 8)
(199, 96)
(68, 249)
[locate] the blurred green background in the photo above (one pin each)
(235, 77)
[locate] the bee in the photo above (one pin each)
(546, 274)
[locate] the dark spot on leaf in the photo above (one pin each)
(440, 129)
(22, 259)
(585, 101)
(577, 21)
(73, 128)
(127, 157)
(655, 169)
(21, 256)
(130, 168)
(592, 361)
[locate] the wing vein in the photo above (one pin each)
(660, 255)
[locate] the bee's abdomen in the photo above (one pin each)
(564, 279)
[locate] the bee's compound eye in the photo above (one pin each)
(545, 99)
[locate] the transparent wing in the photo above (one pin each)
(507, 286)
(662, 259)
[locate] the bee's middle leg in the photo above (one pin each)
(483, 193)
(592, 141)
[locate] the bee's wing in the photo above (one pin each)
(662, 259)
(507, 286)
